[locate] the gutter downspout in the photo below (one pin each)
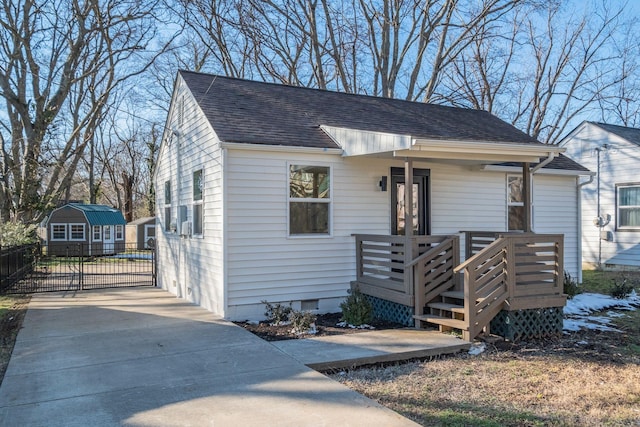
(527, 176)
(579, 196)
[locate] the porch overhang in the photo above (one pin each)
(378, 144)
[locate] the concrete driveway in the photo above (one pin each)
(141, 357)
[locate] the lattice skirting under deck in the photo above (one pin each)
(528, 324)
(391, 311)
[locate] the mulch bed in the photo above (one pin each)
(326, 324)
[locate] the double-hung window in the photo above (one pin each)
(515, 202)
(309, 200)
(97, 233)
(58, 231)
(76, 232)
(628, 206)
(119, 232)
(198, 214)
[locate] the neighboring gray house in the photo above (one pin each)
(84, 229)
(141, 233)
(611, 201)
(264, 191)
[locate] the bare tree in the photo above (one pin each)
(54, 54)
(542, 78)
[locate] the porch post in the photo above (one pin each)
(526, 195)
(408, 226)
(408, 200)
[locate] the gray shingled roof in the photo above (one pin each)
(244, 111)
(266, 113)
(630, 134)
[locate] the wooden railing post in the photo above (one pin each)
(358, 257)
(510, 261)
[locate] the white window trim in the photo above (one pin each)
(70, 232)
(329, 201)
(199, 202)
(93, 233)
(66, 234)
(618, 207)
(119, 229)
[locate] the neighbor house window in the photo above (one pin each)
(58, 232)
(97, 233)
(515, 202)
(76, 232)
(309, 199)
(628, 206)
(198, 214)
(167, 206)
(119, 232)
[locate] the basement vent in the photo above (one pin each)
(309, 304)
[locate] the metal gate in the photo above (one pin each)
(73, 268)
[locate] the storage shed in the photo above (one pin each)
(141, 233)
(85, 229)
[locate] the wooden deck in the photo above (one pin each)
(502, 271)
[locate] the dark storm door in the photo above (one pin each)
(420, 201)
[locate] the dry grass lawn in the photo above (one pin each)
(506, 388)
(587, 378)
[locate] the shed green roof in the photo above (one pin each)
(100, 214)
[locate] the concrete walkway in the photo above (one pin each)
(348, 351)
(141, 357)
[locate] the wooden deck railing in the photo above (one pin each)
(384, 267)
(506, 271)
(516, 271)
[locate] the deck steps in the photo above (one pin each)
(443, 321)
(454, 308)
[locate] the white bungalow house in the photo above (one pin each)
(287, 194)
(611, 201)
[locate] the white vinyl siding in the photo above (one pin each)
(615, 246)
(191, 268)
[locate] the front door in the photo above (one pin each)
(108, 239)
(420, 201)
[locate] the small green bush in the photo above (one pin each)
(356, 309)
(17, 234)
(302, 322)
(621, 287)
(571, 287)
(277, 313)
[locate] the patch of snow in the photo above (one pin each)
(578, 311)
(477, 348)
(349, 325)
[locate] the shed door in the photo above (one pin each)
(149, 235)
(420, 201)
(108, 239)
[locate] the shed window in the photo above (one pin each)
(628, 206)
(309, 199)
(97, 233)
(58, 232)
(76, 232)
(198, 214)
(119, 232)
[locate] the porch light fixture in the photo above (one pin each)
(383, 183)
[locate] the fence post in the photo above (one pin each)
(81, 266)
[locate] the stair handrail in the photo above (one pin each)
(480, 310)
(419, 290)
